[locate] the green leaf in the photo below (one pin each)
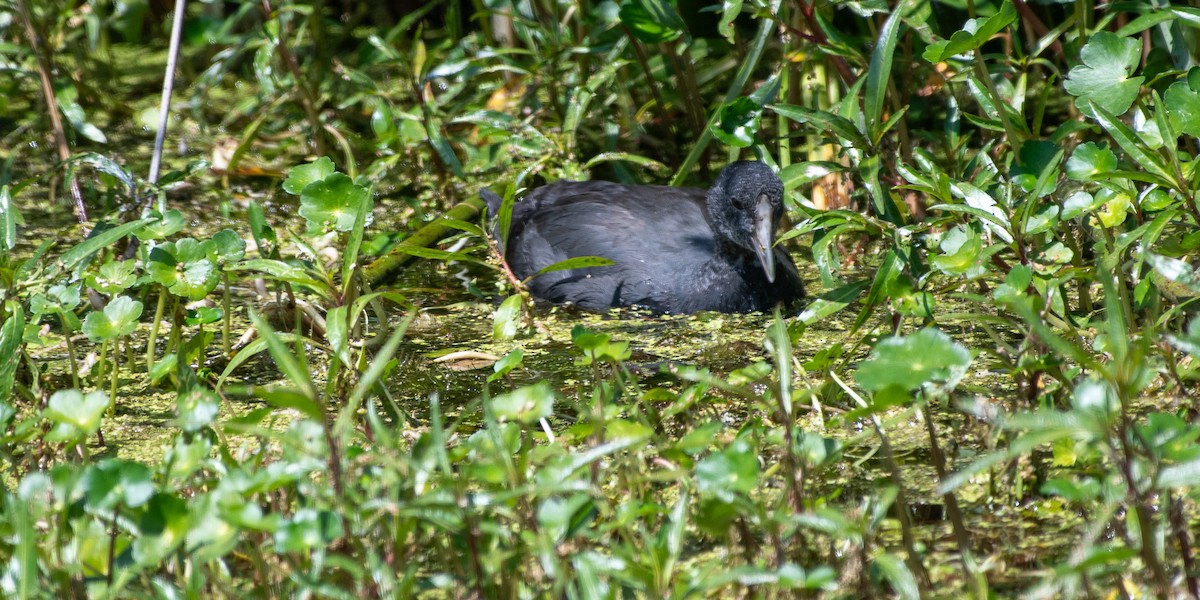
(505, 365)
(641, 161)
(841, 127)
(98, 240)
(962, 253)
(1078, 204)
(308, 529)
(1036, 171)
(728, 474)
(118, 319)
(1155, 200)
(699, 438)
(1042, 220)
(582, 96)
(290, 398)
(1184, 474)
(1182, 101)
(112, 278)
(737, 122)
(107, 165)
(164, 526)
(527, 404)
(974, 34)
(78, 415)
(1103, 78)
(186, 267)
(798, 174)
(834, 301)
(578, 262)
(910, 362)
(981, 204)
(507, 319)
(196, 408)
(10, 217)
(300, 176)
(11, 336)
(897, 573)
(228, 246)
(1176, 271)
(880, 72)
(1055, 252)
(597, 347)
(279, 270)
(203, 315)
(1114, 212)
(1128, 140)
(646, 26)
(292, 368)
(730, 9)
(334, 202)
(163, 226)
(1089, 161)
(117, 482)
(67, 97)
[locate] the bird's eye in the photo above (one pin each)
(739, 204)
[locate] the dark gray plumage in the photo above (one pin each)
(677, 250)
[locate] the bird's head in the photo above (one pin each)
(746, 204)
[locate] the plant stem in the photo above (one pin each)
(152, 341)
(912, 559)
(112, 544)
(45, 67)
(765, 30)
(227, 323)
(952, 510)
(98, 377)
(307, 102)
(164, 107)
(114, 379)
(74, 363)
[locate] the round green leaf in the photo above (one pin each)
(228, 246)
(725, 475)
(167, 225)
(1089, 161)
(962, 252)
(1042, 220)
(164, 526)
(1115, 209)
(1156, 199)
(1182, 101)
(300, 176)
(334, 202)
(204, 315)
(112, 277)
(187, 268)
(527, 404)
(117, 482)
(57, 298)
(79, 414)
(1103, 78)
(910, 362)
(118, 319)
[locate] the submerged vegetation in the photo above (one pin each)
(294, 365)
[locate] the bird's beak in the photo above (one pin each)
(763, 225)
